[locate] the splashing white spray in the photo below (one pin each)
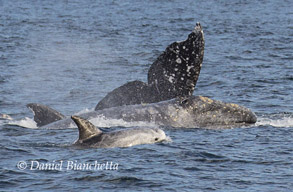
(281, 122)
(26, 122)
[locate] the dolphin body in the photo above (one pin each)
(90, 136)
(191, 112)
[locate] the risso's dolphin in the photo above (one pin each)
(191, 112)
(90, 136)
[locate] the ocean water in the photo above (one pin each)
(70, 54)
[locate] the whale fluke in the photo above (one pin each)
(176, 70)
(86, 129)
(43, 114)
(173, 74)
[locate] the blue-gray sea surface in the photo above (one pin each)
(70, 54)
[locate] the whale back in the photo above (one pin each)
(188, 112)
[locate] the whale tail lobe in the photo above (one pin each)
(173, 74)
(44, 115)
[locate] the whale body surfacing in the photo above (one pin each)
(90, 136)
(191, 112)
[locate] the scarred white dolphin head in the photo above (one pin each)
(137, 136)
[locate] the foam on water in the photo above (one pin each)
(5, 117)
(279, 122)
(102, 121)
(86, 110)
(26, 122)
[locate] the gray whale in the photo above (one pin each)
(90, 136)
(167, 97)
(191, 112)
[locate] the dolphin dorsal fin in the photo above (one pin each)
(44, 115)
(86, 129)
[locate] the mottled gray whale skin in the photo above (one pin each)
(192, 112)
(173, 74)
(90, 136)
(176, 70)
(43, 114)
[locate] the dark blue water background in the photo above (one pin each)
(70, 54)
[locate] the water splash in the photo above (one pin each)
(5, 117)
(277, 120)
(86, 110)
(26, 122)
(168, 139)
(102, 121)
